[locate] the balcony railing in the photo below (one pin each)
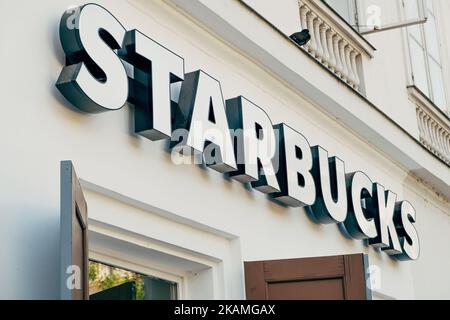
(434, 136)
(334, 43)
(434, 127)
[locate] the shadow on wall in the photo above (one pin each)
(30, 263)
(59, 55)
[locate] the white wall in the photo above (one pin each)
(38, 128)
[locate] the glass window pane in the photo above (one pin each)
(411, 9)
(419, 66)
(158, 289)
(344, 8)
(431, 37)
(429, 5)
(111, 283)
(414, 31)
(437, 82)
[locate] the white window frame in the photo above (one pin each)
(443, 60)
(203, 269)
(356, 15)
(129, 265)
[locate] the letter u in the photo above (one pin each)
(331, 199)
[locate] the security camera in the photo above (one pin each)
(302, 37)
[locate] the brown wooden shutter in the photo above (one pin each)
(74, 248)
(336, 278)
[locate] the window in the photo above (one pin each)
(112, 283)
(426, 62)
(369, 16)
(345, 8)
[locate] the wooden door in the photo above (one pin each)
(322, 278)
(74, 281)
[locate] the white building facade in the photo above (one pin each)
(378, 101)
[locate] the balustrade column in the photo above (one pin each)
(447, 145)
(351, 76)
(421, 124)
(435, 136)
(330, 33)
(303, 19)
(323, 37)
(310, 17)
(345, 71)
(441, 140)
(353, 56)
(319, 50)
(337, 53)
(429, 132)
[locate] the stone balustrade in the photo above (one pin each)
(434, 135)
(330, 44)
(433, 125)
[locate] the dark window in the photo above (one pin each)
(112, 283)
